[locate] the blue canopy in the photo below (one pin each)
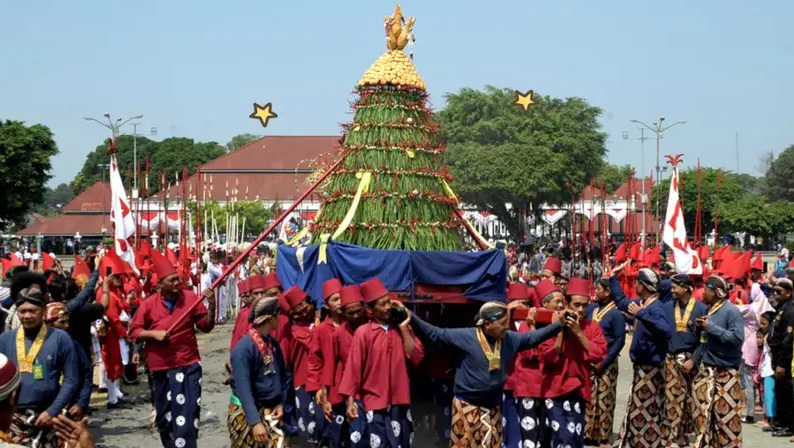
(482, 274)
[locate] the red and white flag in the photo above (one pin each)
(674, 236)
(121, 216)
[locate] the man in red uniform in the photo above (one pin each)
(173, 357)
(527, 374)
(322, 359)
(241, 324)
(354, 431)
(512, 430)
(296, 354)
(566, 362)
(115, 331)
(377, 370)
(551, 270)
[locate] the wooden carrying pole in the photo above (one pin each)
(258, 240)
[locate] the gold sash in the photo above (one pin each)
(26, 360)
(599, 314)
(682, 319)
(493, 356)
(714, 308)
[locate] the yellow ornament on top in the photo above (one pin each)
(394, 67)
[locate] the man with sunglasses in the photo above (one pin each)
(781, 344)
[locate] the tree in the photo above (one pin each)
(614, 176)
(169, 156)
(730, 191)
(25, 164)
(779, 179)
(55, 198)
(392, 159)
(748, 214)
(500, 154)
(238, 141)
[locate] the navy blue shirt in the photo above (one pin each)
(613, 325)
(474, 383)
(685, 341)
(255, 384)
(83, 394)
(653, 326)
(724, 334)
(57, 356)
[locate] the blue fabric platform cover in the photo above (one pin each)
(482, 274)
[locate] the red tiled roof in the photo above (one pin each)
(70, 223)
(636, 187)
(282, 152)
(276, 159)
(94, 199)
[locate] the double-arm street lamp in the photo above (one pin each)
(659, 129)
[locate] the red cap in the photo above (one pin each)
(758, 263)
(243, 286)
(271, 281)
(256, 282)
(331, 287)
(544, 288)
(350, 294)
(620, 253)
(373, 290)
(517, 291)
(533, 297)
(295, 296)
(282, 304)
(578, 287)
(554, 265)
(162, 267)
(703, 253)
(114, 262)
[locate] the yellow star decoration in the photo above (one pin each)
(525, 100)
(263, 113)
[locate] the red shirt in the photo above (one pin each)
(376, 367)
(281, 330)
(322, 356)
(697, 293)
(181, 349)
(296, 351)
(569, 370)
(343, 340)
(241, 326)
(527, 375)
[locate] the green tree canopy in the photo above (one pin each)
(238, 141)
(55, 198)
(169, 156)
(501, 154)
(25, 164)
(730, 191)
(779, 179)
(615, 175)
(752, 215)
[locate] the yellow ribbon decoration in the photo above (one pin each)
(298, 236)
(323, 257)
(363, 187)
(451, 195)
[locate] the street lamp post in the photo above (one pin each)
(643, 196)
(658, 128)
(152, 132)
(115, 127)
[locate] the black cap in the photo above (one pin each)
(682, 280)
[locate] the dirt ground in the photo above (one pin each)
(126, 428)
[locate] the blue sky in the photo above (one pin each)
(194, 68)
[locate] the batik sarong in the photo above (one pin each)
(177, 402)
(474, 426)
(600, 416)
(392, 427)
(442, 398)
(679, 405)
(23, 431)
(532, 416)
(340, 432)
(511, 436)
(641, 427)
(718, 420)
(566, 416)
(240, 432)
(306, 412)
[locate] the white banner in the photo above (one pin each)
(121, 216)
(687, 260)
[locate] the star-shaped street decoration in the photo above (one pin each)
(525, 100)
(263, 113)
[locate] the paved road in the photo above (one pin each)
(126, 428)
